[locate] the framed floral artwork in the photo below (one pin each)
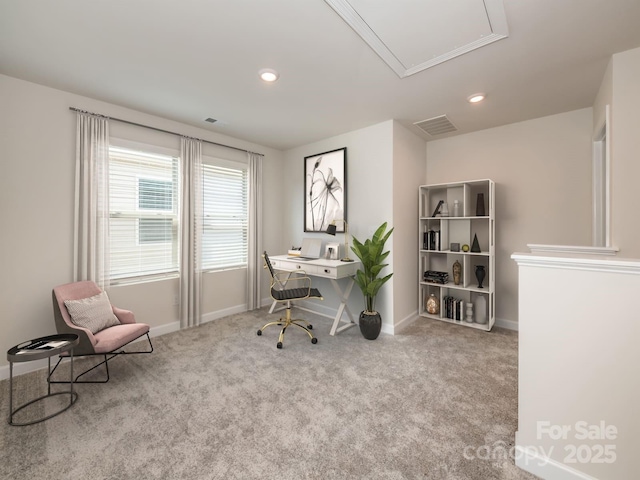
(325, 193)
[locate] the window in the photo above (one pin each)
(225, 223)
(155, 194)
(143, 213)
(155, 230)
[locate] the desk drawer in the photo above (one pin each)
(313, 270)
(290, 266)
(316, 268)
(329, 272)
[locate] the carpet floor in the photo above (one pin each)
(437, 401)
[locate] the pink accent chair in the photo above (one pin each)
(105, 342)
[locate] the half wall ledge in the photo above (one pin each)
(572, 249)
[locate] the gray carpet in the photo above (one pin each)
(219, 402)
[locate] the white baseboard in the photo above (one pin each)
(401, 325)
(530, 460)
(329, 312)
(207, 317)
(387, 329)
(319, 309)
(410, 319)
(25, 367)
(163, 329)
(22, 368)
(508, 324)
(326, 311)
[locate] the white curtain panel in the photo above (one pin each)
(91, 223)
(254, 261)
(191, 232)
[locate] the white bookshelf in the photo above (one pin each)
(459, 229)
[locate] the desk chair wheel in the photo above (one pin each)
(259, 332)
(314, 340)
(310, 327)
(279, 344)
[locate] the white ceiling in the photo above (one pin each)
(192, 59)
(413, 35)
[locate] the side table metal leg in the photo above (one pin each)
(71, 379)
(29, 351)
(48, 375)
(10, 393)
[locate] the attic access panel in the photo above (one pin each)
(413, 35)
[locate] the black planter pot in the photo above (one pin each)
(370, 325)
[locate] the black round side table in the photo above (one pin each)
(43, 347)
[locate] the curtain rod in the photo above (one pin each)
(161, 130)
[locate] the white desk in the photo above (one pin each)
(334, 270)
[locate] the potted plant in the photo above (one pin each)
(368, 278)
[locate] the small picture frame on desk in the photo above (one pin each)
(332, 251)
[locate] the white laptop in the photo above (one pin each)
(310, 249)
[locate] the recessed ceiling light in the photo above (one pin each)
(476, 97)
(268, 75)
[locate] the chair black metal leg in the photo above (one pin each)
(105, 362)
(106, 365)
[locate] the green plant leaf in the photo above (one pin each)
(372, 256)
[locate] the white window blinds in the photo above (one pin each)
(143, 211)
(225, 223)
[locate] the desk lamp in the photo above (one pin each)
(331, 230)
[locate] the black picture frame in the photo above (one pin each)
(325, 190)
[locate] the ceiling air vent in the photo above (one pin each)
(436, 125)
(210, 120)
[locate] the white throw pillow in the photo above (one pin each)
(93, 313)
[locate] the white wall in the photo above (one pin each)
(37, 163)
(385, 166)
(369, 202)
(409, 172)
(578, 361)
(542, 170)
(625, 151)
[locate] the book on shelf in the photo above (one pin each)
(433, 276)
(453, 308)
(431, 240)
(434, 240)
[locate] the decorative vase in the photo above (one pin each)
(433, 305)
(480, 205)
(370, 324)
(444, 212)
(457, 272)
(480, 274)
(475, 245)
(469, 318)
(456, 208)
(481, 309)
